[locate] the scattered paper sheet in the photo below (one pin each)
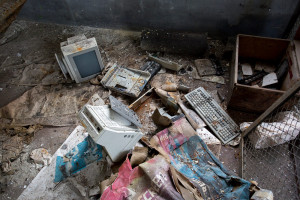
(269, 79)
(247, 69)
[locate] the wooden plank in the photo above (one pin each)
(262, 48)
(293, 74)
(234, 69)
(252, 99)
(297, 50)
(280, 101)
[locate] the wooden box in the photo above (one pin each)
(257, 99)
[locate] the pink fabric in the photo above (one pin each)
(118, 190)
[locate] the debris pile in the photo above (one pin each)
(152, 129)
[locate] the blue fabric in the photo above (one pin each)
(195, 161)
(77, 159)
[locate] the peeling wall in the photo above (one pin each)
(218, 17)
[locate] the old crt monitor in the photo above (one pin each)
(81, 58)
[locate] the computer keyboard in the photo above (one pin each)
(213, 115)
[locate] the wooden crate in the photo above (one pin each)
(254, 99)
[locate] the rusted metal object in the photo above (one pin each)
(9, 10)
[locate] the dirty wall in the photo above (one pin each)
(272, 18)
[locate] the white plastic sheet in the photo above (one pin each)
(284, 129)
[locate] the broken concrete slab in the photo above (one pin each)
(195, 74)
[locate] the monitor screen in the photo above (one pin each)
(87, 64)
